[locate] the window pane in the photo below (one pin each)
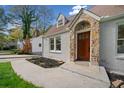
(52, 47)
(121, 31)
(58, 40)
(58, 47)
(120, 46)
(52, 40)
(51, 43)
(58, 43)
(60, 22)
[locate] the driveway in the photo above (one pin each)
(68, 75)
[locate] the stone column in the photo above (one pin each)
(72, 46)
(95, 43)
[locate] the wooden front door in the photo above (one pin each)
(83, 46)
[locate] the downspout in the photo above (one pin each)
(42, 46)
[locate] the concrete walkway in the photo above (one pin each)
(16, 56)
(69, 75)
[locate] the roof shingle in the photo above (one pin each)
(107, 10)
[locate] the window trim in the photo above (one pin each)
(50, 44)
(60, 22)
(54, 50)
(56, 43)
(63, 22)
(117, 25)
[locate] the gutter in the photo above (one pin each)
(108, 18)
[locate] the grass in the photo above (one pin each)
(9, 79)
(7, 52)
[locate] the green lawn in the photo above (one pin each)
(9, 79)
(7, 52)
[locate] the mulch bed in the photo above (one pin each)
(117, 81)
(45, 62)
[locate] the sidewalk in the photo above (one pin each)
(65, 76)
(16, 56)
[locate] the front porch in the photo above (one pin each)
(84, 40)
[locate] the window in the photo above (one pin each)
(55, 44)
(51, 43)
(58, 43)
(120, 41)
(60, 22)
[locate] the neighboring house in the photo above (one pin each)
(37, 45)
(95, 36)
(10, 45)
(19, 45)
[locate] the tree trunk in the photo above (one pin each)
(27, 47)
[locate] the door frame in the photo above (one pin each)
(78, 32)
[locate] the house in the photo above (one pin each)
(19, 44)
(94, 36)
(37, 45)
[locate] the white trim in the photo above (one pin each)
(90, 43)
(92, 15)
(63, 20)
(80, 31)
(50, 44)
(118, 55)
(54, 50)
(85, 12)
(112, 17)
(56, 44)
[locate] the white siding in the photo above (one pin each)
(108, 47)
(35, 45)
(65, 48)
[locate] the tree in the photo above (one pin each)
(3, 22)
(38, 17)
(24, 16)
(30, 17)
(16, 34)
(3, 19)
(46, 16)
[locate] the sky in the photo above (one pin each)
(66, 10)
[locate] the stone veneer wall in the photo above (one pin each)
(94, 43)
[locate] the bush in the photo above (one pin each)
(18, 51)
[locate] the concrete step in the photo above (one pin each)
(83, 63)
(92, 71)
